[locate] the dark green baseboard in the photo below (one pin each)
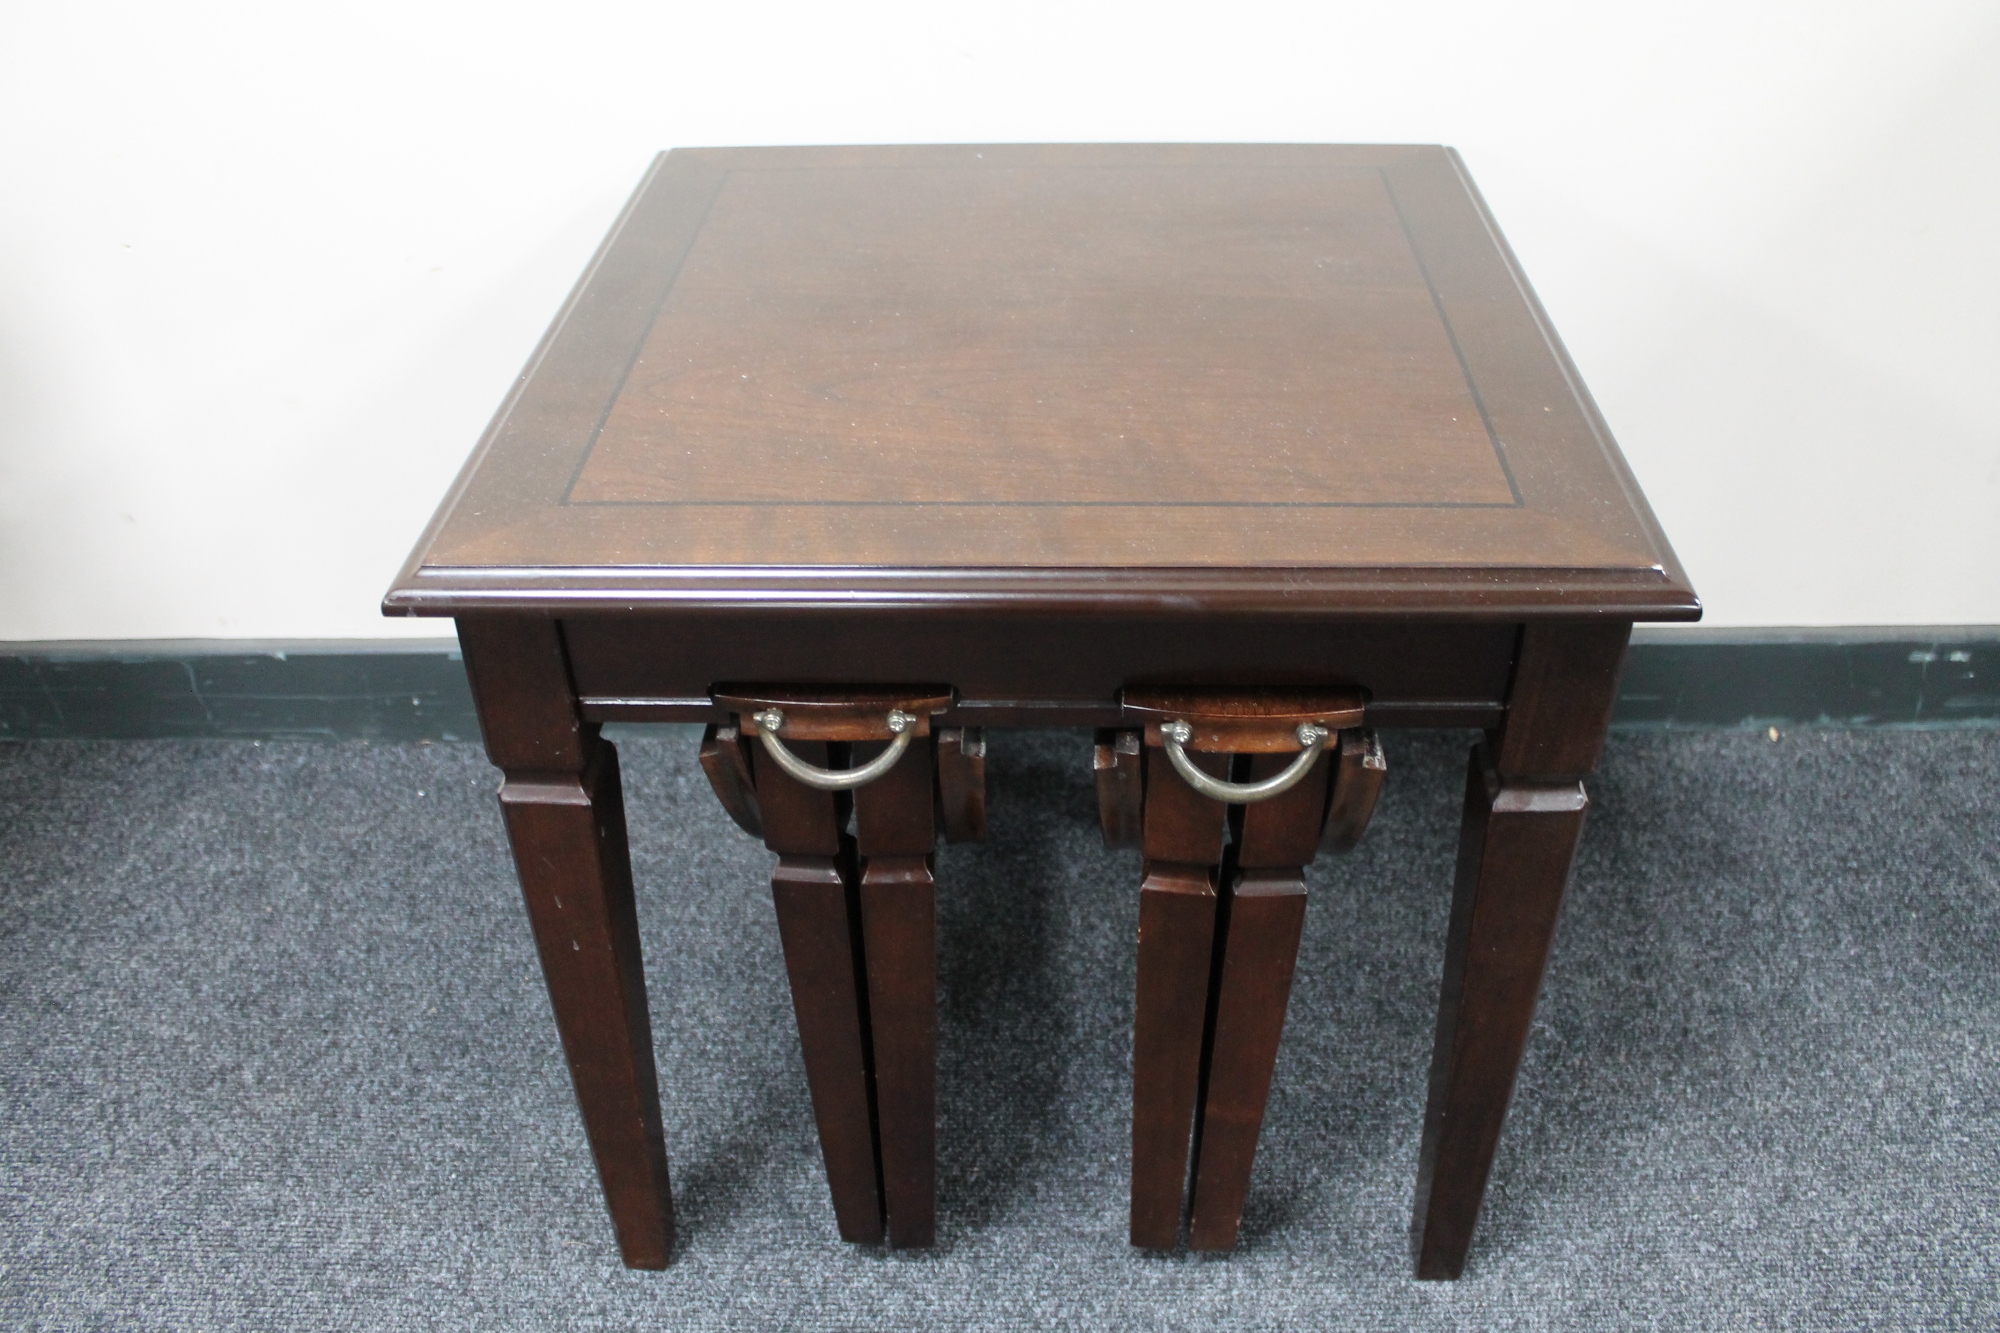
(411, 690)
(1929, 676)
(219, 688)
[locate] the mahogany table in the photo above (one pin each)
(1236, 453)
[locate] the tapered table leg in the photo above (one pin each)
(1513, 862)
(1262, 914)
(565, 818)
(896, 831)
(1524, 810)
(818, 903)
(1177, 901)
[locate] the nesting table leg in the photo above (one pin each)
(1183, 841)
(1524, 809)
(1176, 935)
(814, 890)
(1261, 916)
(895, 829)
(858, 916)
(566, 822)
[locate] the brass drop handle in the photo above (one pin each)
(834, 779)
(1174, 735)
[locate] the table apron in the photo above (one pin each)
(1038, 671)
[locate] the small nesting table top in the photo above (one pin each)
(1206, 377)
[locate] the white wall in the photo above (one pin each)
(265, 270)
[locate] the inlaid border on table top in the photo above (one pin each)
(618, 393)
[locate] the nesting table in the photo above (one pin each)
(1237, 454)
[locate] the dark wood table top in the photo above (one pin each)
(1303, 379)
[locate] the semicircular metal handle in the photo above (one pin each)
(834, 779)
(1174, 735)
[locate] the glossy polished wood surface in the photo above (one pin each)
(1306, 378)
(1254, 336)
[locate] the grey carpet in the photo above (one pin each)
(274, 1053)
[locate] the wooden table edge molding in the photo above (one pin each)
(573, 614)
(1455, 594)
